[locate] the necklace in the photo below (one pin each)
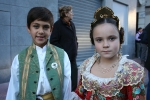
(106, 70)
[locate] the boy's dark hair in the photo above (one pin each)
(63, 10)
(102, 21)
(39, 13)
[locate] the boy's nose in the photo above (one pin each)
(41, 30)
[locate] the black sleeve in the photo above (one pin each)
(75, 34)
(55, 36)
(144, 37)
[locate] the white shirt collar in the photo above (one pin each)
(39, 49)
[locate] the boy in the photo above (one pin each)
(41, 71)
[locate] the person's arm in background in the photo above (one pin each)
(137, 37)
(55, 36)
(75, 34)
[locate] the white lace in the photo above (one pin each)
(86, 73)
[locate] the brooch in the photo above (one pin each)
(54, 65)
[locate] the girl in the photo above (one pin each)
(107, 75)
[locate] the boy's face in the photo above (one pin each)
(40, 31)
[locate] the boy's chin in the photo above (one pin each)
(41, 44)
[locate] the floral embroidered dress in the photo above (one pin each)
(127, 83)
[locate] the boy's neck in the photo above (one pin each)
(42, 45)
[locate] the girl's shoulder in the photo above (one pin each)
(88, 63)
(131, 73)
(84, 65)
(130, 65)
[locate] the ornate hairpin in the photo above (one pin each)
(105, 12)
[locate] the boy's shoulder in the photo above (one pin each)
(22, 54)
(24, 50)
(57, 48)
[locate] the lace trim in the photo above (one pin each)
(87, 64)
(128, 73)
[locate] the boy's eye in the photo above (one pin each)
(46, 27)
(36, 26)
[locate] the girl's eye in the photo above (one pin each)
(111, 38)
(99, 40)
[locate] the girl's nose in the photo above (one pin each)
(106, 44)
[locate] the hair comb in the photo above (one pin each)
(105, 12)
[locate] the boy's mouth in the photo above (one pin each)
(40, 37)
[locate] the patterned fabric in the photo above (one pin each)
(28, 85)
(127, 83)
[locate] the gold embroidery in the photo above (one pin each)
(58, 62)
(26, 70)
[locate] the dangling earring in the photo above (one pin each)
(120, 51)
(95, 51)
(97, 55)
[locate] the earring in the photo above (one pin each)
(120, 51)
(95, 51)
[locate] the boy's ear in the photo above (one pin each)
(51, 28)
(28, 29)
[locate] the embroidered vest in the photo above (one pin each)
(29, 72)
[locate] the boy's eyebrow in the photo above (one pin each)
(42, 24)
(36, 23)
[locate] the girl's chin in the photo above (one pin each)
(107, 56)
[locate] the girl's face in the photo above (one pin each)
(106, 40)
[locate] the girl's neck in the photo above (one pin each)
(108, 61)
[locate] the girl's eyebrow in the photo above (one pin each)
(112, 36)
(97, 37)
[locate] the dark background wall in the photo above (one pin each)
(13, 33)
